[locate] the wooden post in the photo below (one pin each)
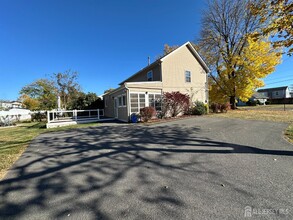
(99, 114)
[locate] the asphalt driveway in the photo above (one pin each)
(199, 168)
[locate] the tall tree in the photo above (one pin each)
(224, 36)
(277, 19)
(30, 103)
(67, 87)
(87, 101)
(256, 61)
(42, 92)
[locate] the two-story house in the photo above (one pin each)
(276, 93)
(181, 70)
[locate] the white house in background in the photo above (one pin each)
(276, 93)
(10, 104)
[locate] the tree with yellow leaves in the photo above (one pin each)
(257, 61)
(237, 62)
(276, 17)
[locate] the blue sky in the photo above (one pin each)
(105, 41)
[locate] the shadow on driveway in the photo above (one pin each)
(127, 171)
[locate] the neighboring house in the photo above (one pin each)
(254, 98)
(181, 70)
(10, 104)
(276, 93)
(259, 97)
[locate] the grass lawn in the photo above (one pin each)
(264, 113)
(14, 140)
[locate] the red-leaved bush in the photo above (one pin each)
(216, 107)
(147, 113)
(175, 103)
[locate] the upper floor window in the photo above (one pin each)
(150, 76)
(187, 76)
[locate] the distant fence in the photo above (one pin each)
(8, 118)
(74, 115)
(281, 101)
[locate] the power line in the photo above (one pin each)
(287, 78)
(279, 81)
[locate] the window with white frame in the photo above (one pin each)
(155, 100)
(150, 76)
(187, 76)
(137, 102)
(122, 101)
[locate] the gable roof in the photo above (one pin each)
(272, 89)
(258, 95)
(161, 59)
(193, 51)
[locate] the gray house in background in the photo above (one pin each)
(276, 93)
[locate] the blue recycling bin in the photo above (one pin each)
(134, 118)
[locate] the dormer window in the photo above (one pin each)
(150, 76)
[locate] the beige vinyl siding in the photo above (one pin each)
(173, 74)
(110, 108)
(141, 77)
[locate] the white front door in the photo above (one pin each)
(116, 107)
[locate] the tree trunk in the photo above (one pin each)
(232, 102)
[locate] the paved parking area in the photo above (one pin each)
(198, 168)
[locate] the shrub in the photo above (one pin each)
(223, 108)
(268, 102)
(199, 108)
(175, 103)
(38, 116)
(215, 107)
(147, 113)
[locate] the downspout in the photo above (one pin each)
(207, 88)
(128, 100)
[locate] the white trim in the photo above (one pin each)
(137, 92)
(131, 83)
(115, 90)
(121, 96)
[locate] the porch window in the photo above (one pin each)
(137, 102)
(155, 101)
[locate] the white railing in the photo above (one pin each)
(74, 115)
